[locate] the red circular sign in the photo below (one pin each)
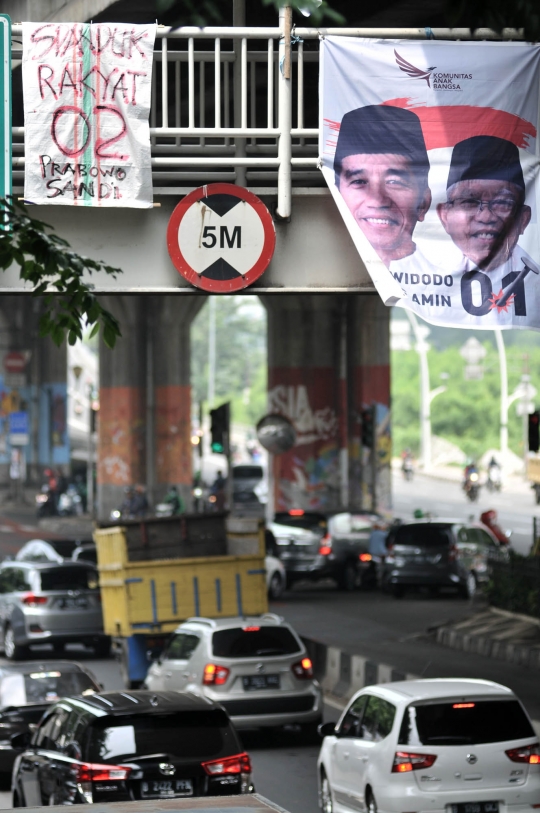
(14, 362)
(221, 237)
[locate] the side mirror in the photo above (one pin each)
(153, 657)
(72, 750)
(21, 741)
(326, 729)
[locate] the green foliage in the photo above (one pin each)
(515, 585)
(55, 273)
(240, 357)
(468, 413)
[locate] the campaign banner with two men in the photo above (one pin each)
(430, 151)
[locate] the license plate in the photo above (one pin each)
(166, 788)
(253, 683)
(73, 604)
(475, 807)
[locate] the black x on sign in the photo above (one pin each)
(221, 237)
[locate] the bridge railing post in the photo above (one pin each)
(285, 114)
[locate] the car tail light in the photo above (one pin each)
(88, 772)
(405, 761)
(527, 753)
(326, 545)
(215, 675)
(251, 629)
(365, 557)
(31, 600)
(240, 763)
(91, 772)
(296, 512)
(303, 670)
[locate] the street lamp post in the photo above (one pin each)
(426, 395)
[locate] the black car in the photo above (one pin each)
(313, 546)
(126, 746)
(28, 689)
(437, 554)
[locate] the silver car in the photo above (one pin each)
(257, 668)
(49, 603)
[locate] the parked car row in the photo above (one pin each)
(465, 746)
(432, 553)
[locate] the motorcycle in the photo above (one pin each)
(494, 479)
(471, 486)
(407, 468)
(45, 503)
(70, 502)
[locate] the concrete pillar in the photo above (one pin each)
(170, 337)
(328, 359)
(145, 399)
(303, 385)
(122, 404)
(369, 385)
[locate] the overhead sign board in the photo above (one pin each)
(221, 238)
(5, 110)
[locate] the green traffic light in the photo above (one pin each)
(218, 448)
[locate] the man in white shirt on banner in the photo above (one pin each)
(483, 278)
(381, 170)
(497, 282)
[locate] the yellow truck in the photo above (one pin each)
(157, 572)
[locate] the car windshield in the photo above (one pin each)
(68, 578)
(193, 735)
(464, 723)
(247, 473)
(254, 642)
(430, 535)
(44, 686)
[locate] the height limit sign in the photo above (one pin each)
(221, 237)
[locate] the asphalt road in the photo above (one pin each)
(515, 504)
(367, 623)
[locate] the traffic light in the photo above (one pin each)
(219, 428)
(534, 431)
(368, 427)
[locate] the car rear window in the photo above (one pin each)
(68, 578)
(310, 521)
(256, 642)
(44, 686)
(464, 723)
(422, 536)
(349, 523)
(64, 547)
(247, 473)
(193, 735)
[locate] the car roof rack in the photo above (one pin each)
(277, 619)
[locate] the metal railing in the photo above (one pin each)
(239, 105)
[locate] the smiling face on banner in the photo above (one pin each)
(429, 150)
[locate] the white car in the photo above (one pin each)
(445, 745)
(256, 667)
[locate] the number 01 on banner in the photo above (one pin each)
(221, 238)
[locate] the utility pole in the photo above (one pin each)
(211, 351)
(503, 442)
(240, 89)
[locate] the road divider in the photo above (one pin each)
(342, 674)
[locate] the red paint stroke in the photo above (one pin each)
(496, 298)
(446, 126)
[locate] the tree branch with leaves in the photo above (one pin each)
(56, 274)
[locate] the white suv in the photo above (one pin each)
(256, 667)
(445, 745)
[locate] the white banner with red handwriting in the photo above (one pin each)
(86, 104)
(431, 153)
